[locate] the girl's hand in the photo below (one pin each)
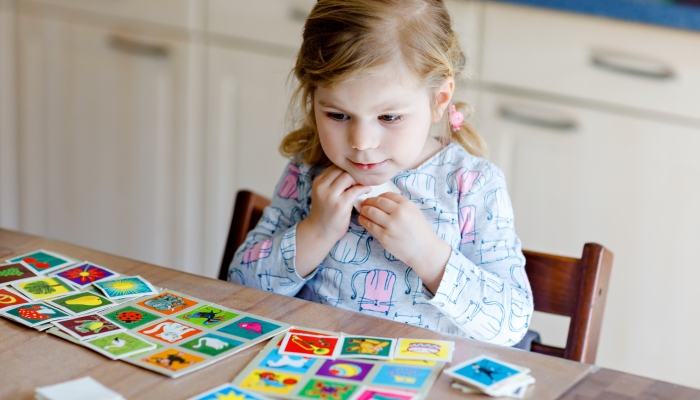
(332, 197)
(401, 228)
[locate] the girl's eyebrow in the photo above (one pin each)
(327, 104)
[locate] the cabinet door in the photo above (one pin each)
(247, 105)
(109, 149)
(579, 175)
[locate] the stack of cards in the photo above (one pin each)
(490, 376)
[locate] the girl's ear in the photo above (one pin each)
(443, 98)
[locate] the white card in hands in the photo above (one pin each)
(376, 191)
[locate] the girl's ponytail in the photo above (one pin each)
(467, 136)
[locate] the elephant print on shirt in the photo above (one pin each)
(257, 252)
(451, 156)
(495, 250)
(419, 291)
(270, 220)
(415, 320)
(461, 182)
(467, 226)
(288, 249)
(326, 285)
(235, 272)
(379, 288)
(353, 248)
(501, 210)
(271, 282)
(445, 221)
(289, 187)
(486, 318)
(419, 188)
(458, 280)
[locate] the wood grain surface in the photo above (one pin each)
(32, 358)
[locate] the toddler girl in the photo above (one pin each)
(375, 85)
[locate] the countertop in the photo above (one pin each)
(665, 13)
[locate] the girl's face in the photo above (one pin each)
(377, 125)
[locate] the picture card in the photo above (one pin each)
(88, 326)
(403, 376)
(322, 389)
(169, 331)
(168, 303)
(285, 362)
(33, 314)
(207, 316)
(424, 349)
(16, 271)
(125, 287)
(211, 344)
(43, 287)
(374, 393)
(377, 348)
(486, 374)
(119, 345)
(129, 317)
(252, 328)
(85, 274)
(81, 303)
(310, 345)
(172, 360)
(226, 391)
(10, 298)
(345, 369)
(271, 381)
(42, 261)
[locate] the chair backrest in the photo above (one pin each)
(572, 287)
(247, 210)
(576, 288)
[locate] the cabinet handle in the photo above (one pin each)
(131, 46)
(631, 64)
(536, 116)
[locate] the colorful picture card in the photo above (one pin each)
(16, 271)
(226, 391)
(125, 287)
(424, 349)
(168, 303)
(33, 314)
(374, 393)
(169, 331)
(81, 303)
(207, 316)
(486, 374)
(119, 345)
(10, 298)
(43, 287)
(85, 274)
(129, 317)
(377, 348)
(43, 262)
(172, 360)
(310, 345)
(88, 327)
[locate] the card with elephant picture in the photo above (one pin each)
(190, 333)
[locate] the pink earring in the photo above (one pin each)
(456, 118)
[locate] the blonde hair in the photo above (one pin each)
(343, 39)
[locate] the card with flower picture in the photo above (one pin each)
(85, 274)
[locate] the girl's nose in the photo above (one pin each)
(363, 136)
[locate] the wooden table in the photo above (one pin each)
(31, 358)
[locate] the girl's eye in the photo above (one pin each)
(338, 116)
(390, 118)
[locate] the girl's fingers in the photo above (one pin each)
(375, 215)
(383, 203)
(327, 177)
(371, 226)
(395, 197)
(350, 195)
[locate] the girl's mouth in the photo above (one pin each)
(367, 167)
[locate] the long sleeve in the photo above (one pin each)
(484, 290)
(266, 260)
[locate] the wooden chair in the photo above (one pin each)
(247, 211)
(576, 288)
(572, 287)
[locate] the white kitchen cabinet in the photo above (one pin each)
(579, 175)
(247, 104)
(9, 182)
(110, 152)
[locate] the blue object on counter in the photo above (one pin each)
(675, 15)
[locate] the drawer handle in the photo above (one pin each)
(536, 116)
(131, 46)
(631, 64)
